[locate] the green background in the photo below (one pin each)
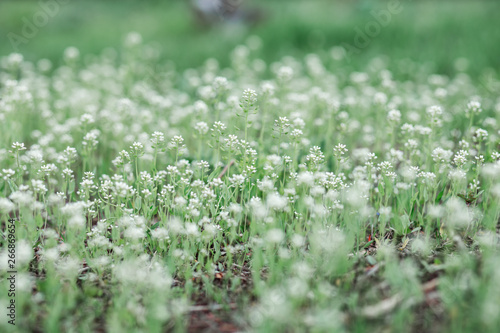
(437, 32)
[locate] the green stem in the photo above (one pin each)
(246, 125)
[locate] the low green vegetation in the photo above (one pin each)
(431, 32)
(269, 188)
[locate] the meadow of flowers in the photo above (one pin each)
(289, 196)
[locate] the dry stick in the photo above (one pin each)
(213, 307)
(225, 169)
(387, 305)
(382, 308)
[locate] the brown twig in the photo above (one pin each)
(225, 169)
(210, 307)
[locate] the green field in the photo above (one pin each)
(334, 167)
(435, 32)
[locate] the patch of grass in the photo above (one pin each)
(251, 178)
(424, 31)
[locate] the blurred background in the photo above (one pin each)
(189, 31)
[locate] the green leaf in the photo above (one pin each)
(439, 196)
(414, 197)
(381, 189)
(71, 188)
(13, 186)
(138, 203)
(368, 244)
(478, 195)
(370, 259)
